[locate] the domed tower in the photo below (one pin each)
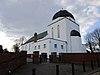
(63, 13)
(64, 28)
(62, 21)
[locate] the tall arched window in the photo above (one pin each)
(52, 32)
(58, 31)
(29, 46)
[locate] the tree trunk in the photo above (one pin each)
(90, 46)
(99, 43)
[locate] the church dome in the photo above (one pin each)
(62, 13)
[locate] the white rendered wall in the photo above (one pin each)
(42, 49)
(30, 47)
(66, 26)
(24, 47)
(50, 46)
(71, 26)
(62, 29)
(58, 49)
(76, 46)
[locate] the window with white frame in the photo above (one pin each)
(38, 46)
(62, 47)
(35, 47)
(44, 45)
(55, 45)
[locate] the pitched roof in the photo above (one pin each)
(39, 36)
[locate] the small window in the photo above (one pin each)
(35, 47)
(44, 45)
(38, 46)
(62, 47)
(55, 45)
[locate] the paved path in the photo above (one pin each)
(50, 69)
(97, 73)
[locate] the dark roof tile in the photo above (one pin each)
(39, 36)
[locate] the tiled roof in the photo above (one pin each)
(39, 36)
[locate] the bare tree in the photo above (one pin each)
(18, 43)
(22, 40)
(5, 50)
(89, 39)
(1, 49)
(16, 48)
(96, 35)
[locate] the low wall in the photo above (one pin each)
(11, 61)
(67, 57)
(78, 57)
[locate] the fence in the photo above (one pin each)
(68, 57)
(92, 59)
(78, 57)
(11, 61)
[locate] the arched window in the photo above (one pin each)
(29, 46)
(52, 32)
(58, 31)
(38, 46)
(75, 33)
(34, 47)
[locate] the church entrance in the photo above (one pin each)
(43, 57)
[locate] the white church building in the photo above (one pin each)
(62, 36)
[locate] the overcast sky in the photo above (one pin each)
(25, 17)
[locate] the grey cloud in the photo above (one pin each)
(25, 17)
(86, 12)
